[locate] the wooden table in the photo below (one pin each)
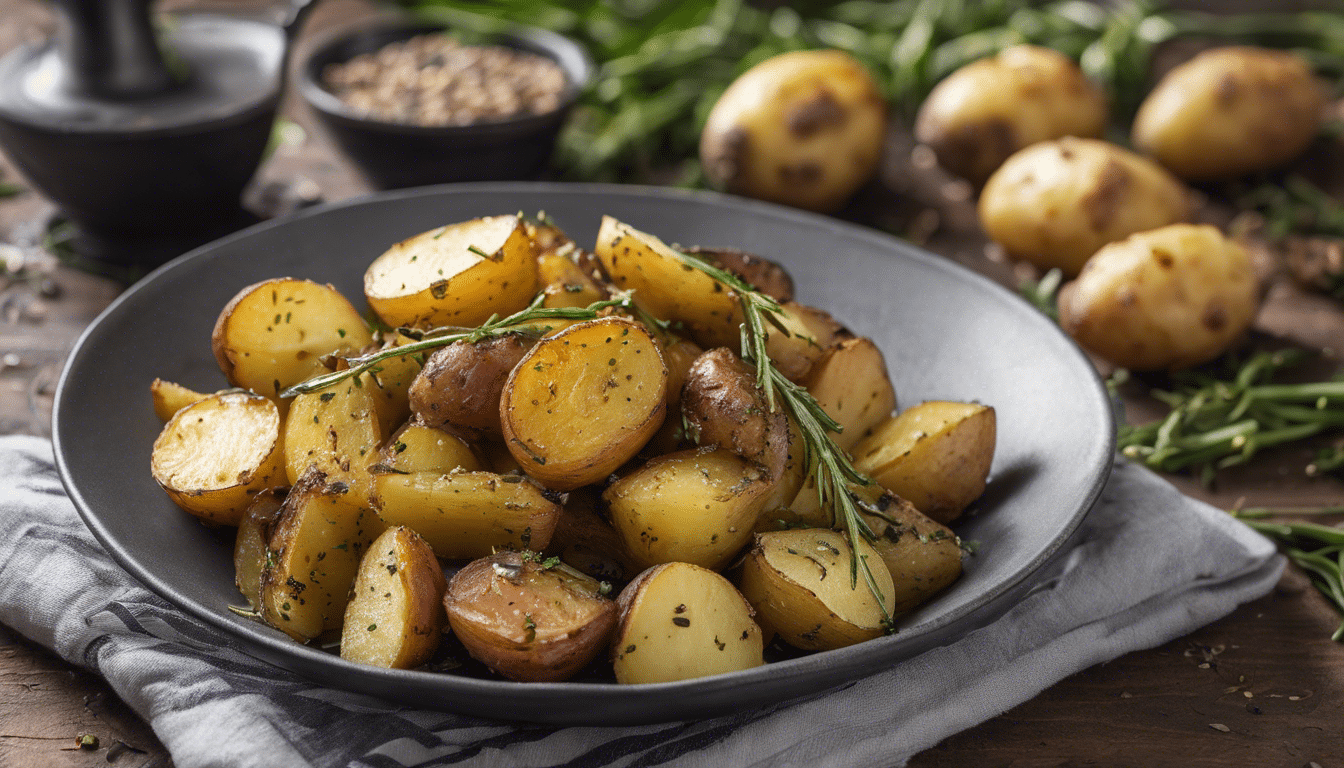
(1261, 687)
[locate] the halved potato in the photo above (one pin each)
(587, 542)
(563, 281)
(679, 621)
(584, 401)
(251, 548)
(274, 334)
(337, 430)
(936, 455)
(395, 615)
(392, 380)
(529, 618)
(418, 448)
(851, 384)
(213, 456)
(459, 275)
(169, 398)
(764, 275)
(468, 514)
(801, 584)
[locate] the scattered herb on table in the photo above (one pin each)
(1316, 549)
(1044, 293)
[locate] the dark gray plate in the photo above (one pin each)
(947, 334)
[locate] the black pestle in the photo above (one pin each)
(145, 136)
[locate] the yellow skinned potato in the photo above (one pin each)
(1229, 112)
(527, 618)
(799, 582)
(1057, 202)
(851, 384)
(922, 556)
(392, 383)
(336, 429)
(169, 398)
(1166, 299)
(803, 128)
(936, 455)
(679, 621)
(395, 616)
(457, 275)
(984, 112)
(583, 402)
(418, 448)
(251, 546)
(213, 456)
(273, 334)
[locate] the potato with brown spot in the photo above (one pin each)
(723, 407)
(461, 384)
(763, 274)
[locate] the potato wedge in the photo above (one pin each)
(799, 581)
(668, 288)
(528, 618)
(317, 543)
(679, 621)
(468, 514)
(392, 383)
(588, 543)
(461, 384)
(418, 448)
(584, 401)
(851, 384)
(213, 456)
(273, 334)
(459, 274)
(169, 398)
(811, 334)
(936, 455)
(252, 545)
(922, 556)
(395, 616)
(563, 281)
(763, 274)
(694, 506)
(336, 430)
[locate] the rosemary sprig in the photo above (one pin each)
(826, 462)
(531, 321)
(1044, 293)
(1316, 549)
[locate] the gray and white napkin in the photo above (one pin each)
(1149, 565)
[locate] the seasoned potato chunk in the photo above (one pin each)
(213, 456)
(679, 621)
(337, 430)
(584, 401)
(395, 615)
(273, 334)
(169, 398)
(761, 273)
(461, 383)
(252, 545)
(418, 448)
(922, 555)
(723, 407)
(529, 618)
(468, 514)
(851, 384)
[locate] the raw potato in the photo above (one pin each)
(252, 545)
(418, 448)
(936, 455)
(722, 407)
(667, 287)
(851, 384)
(457, 275)
(169, 398)
(528, 619)
(213, 456)
(395, 616)
(799, 582)
(1231, 111)
(679, 621)
(317, 543)
(694, 506)
(336, 430)
(1167, 299)
(803, 128)
(468, 514)
(987, 110)
(461, 384)
(1057, 202)
(273, 334)
(584, 401)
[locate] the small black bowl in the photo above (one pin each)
(394, 155)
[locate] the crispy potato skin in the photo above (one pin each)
(763, 274)
(1057, 202)
(803, 128)
(461, 384)
(723, 407)
(1166, 299)
(395, 617)
(922, 556)
(251, 544)
(527, 621)
(1229, 112)
(984, 112)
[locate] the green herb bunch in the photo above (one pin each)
(1316, 549)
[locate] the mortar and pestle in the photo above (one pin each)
(145, 137)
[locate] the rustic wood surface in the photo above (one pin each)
(1262, 687)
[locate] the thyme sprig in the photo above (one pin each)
(826, 462)
(1316, 549)
(534, 320)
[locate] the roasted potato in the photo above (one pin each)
(461, 384)
(587, 542)
(529, 618)
(274, 334)
(679, 621)
(799, 582)
(936, 455)
(169, 398)
(213, 456)
(392, 383)
(252, 544)
(395, 616)
(811, 334)
(922, 556)
(1056, 203)
(1231, 111)
(761, 273)
(851, 384)
(984, 112)
(457, 275)
(803, 128)
(418, 448)
(337, 430)
(1166, 299)
(722, 407)
(583, 402)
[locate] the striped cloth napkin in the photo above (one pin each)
(1148, 565)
